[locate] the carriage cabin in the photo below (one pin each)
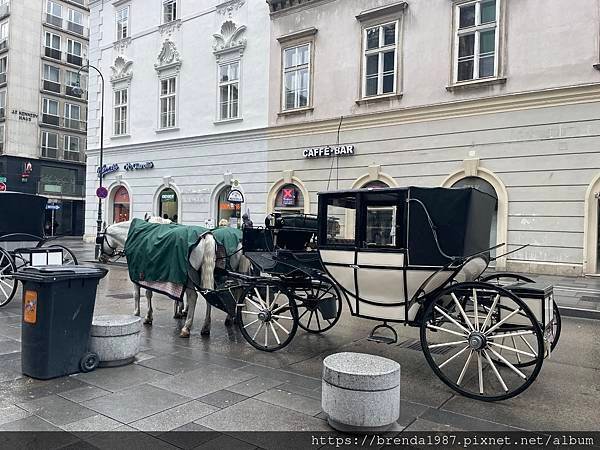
(382, 245)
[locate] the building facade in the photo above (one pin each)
(43, 43)
(186, 109)
(488, 93)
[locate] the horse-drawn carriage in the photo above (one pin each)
(23, 241)
(406, 255)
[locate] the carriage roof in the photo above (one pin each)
(21, 214)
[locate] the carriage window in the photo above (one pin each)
(381, 226)
(341, 218)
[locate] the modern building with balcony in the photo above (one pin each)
(43, 117)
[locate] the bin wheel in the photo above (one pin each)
(89, 362)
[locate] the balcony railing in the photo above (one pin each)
(60, 188)
(54, 20)
(74, 59)
(65, 24)
(63, 155)
(49, 119)
(53, 53)
(70, 155)
(4, 10)
(74, 124)
(51, 86)
(72, 91)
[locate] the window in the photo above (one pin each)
(120, 108)
(168, 205)
(289, 200)
(476, 40)
(2, 104)
(231, 212)
(49, 144)
(4, 35)
(74, 52)
(75, 21)
(229, 90)
(51, 78)
(123, 23)
(167, 102)
(341, 218)
(3, 67)
(296, 76)
(1, 139)
(50, 112)
(121, 205)
(72, 148)
(54, 13)
(380, 60)
(169, 10)
(53, 45)
(72, 81)
(73, 116)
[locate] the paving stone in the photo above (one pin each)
(13, 333)
(96, 422)
(286, 377)
(141, 356)
(117, 378)
(10, 367)
(210, 358)
(9, 346)
(189, 436)
(203, 381)
(254, 386)
(223, 399)
(254, 415)
(175, 417)
(312, 393)
(56, 410)
(426, 425)
(295, 402)
(171, 364)
(463, 422)
(135, 403)
(25, 389)
(30, 423)
(225, 442)
(11, 413)
(84, 393)
(130, 440)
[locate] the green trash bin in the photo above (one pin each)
(58, 306)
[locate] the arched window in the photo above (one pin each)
(226, 210)
(376, 184)
(483, 186)
(121, 205)
(289, 200)
(168, 204)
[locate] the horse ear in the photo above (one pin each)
(146, 217)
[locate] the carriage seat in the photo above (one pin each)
(472, 269)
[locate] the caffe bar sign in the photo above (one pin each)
(130, 166)
(328, 151)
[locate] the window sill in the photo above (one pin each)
(293, 112)
(226, 121)
(475, 84)
(597, 66)
(167, 130)
(379, 98)
(120, 136)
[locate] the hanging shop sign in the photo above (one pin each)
(288, 197)
(24, 116)
(328, 151)
(106, 169)
(139, 166)
(167, 197)
(235, 196)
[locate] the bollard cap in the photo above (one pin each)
(361, 371)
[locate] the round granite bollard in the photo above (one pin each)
(361, 392)
(116, 339)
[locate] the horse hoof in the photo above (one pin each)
(228, 322)
(147, 321)
(205, 333)
(184, 334)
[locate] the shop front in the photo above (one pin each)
(121, 205)
(168, 205)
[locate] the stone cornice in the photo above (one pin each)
(381, 11)
(297, 35)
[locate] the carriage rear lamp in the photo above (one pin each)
(30, 299)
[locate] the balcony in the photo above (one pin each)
(65, 24)
(62, 155)
(4, 10)
(49, 119)
(51, 86)
(54, 20)
(53, 53)
(69, 155)
(77, 29)
(74, 124)
(54, 188)
(74, 59)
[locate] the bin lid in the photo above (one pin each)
(537, 289)
(50, 274)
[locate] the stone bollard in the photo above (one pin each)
(361, 392)
(116, 339)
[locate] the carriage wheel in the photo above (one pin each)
(315, 305)
(8, 285)
(69, 258)
(267, 316)
(505, 279)
(469, 328)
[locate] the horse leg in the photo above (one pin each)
(206, 326)
(149, 318)
(177, 309)
(136, 300)
(192, 296)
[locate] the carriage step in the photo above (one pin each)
(381, 338)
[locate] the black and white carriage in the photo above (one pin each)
(22, 240)
(406, 255)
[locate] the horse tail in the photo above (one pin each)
(209, 262)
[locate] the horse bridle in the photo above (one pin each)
(102, 239)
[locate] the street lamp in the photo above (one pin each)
(78, 90)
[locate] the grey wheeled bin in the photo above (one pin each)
(58, 305)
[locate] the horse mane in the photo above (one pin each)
(157, 219)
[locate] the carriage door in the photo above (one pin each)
(381, 255)
(337, 240)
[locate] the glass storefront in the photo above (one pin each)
(121, 205)
(289, 200)
(168, 205)
(228, 211)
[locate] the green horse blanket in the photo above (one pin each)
(160, 253)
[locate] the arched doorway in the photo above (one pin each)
(591, 246)
(121, 205)
(231, 212)
(289, 200)
(376, 184)
(168, 204)
(483, 186)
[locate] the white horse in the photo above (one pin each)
(202, 259)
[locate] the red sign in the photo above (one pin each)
(288, 196)
(2, 187)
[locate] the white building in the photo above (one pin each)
(185, 94)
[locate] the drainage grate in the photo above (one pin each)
(413, 344)
(121, 296)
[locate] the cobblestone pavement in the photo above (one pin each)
(222, 383)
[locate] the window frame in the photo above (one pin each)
(47, 101)
(55, 5)
(123, 125)
(119, 20)
(71, 13)
(476, 29)
(67, 138)
(5, 71)
(44, 142)
(229, 84)
(71, 45)
(297, 68)
(162, 97)
(46, 65)
(380, 51)
(49, 44)
(175, 4)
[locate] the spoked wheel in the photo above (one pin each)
(8, 285)
(267, 316)
(467, 335)
(506, 279)
(69, 258)
(319, 305)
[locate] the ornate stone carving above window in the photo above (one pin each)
(121, 70)
(230, 39)
(168, 58)
(121, 45)
(169, 28)
(228, 8)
